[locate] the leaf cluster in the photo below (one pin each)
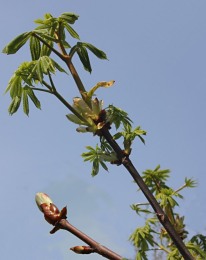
(51, 32)
(157, 237)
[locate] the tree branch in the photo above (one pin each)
(99, 249)
(153, 202)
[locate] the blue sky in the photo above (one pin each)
(157, 57)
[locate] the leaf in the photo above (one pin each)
(33, 97)
(57, 66)
(16, 43)
(95, 167)
(104, 166)
(14, 86)
(71, 31)
(35, 48)
(69, 17)
(74, 119)
(104, 84)
(46, 51)
(84, 57)
(43, 33)
(14, 106)
(97, 52)
(25, 102)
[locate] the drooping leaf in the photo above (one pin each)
(16, 43)
(45, 50)
(58, 67)
(69, 17)
(33, 97)
(71, 31)
(84, 57)
(14, 86)
(25, 102)
(15, 103)
(97, 52)
(35, 48)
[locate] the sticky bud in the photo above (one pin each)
(82, 249)
(51, 212)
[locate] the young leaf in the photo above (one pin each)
(25, 102)
(46, 51)
(84, 57)
(15, 103)
(16, 43)
(33, 97)
(69, 17)
(71, 31)
(104, 84)
(35, 48)
(99, 53)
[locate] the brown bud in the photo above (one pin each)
(51, 212)
(82, 249)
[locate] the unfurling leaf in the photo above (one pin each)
(104, 84)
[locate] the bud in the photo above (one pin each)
(42, 198)
(51, 212)
(82, 249)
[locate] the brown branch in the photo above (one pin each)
(99, 249)
(148, 194)
(57, 218)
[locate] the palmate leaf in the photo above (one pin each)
(81, 49)
(42, 66)
(16, 43)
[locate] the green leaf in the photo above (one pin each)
(33, 97)
(99, 53)
(69, 17)
(104, 166)
(95, 167)
(16, 43)
(84, 57)
(14, 106)
(25, 102)
(71, 31)
(14, 86)
(35, 48)
(58, 67)
(43, 33)
(46, 51)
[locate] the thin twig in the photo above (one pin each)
(101, 250)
